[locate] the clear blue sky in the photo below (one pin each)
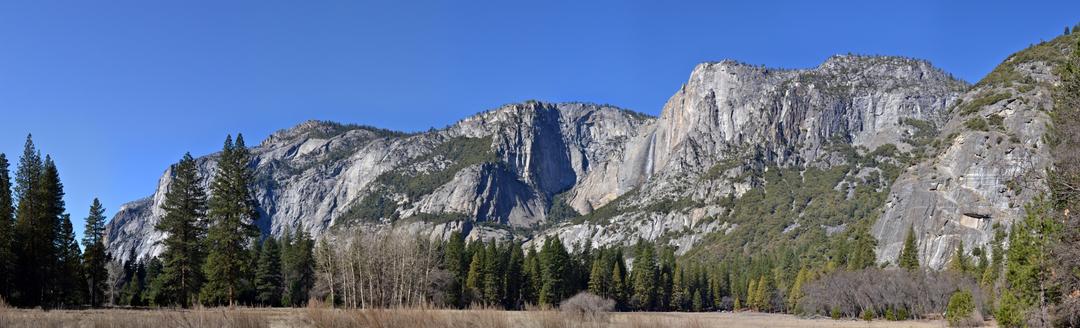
(118, 90)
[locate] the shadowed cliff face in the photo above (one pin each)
(510, 166)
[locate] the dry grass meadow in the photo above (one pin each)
(333, 318)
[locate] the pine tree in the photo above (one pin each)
(555, 265)
(514, 277)
(151, 296)
(862, 253)
(298, 267)
(751, 294)
(184, 224)
(909, 255)
(959, 262)
(599, 279)
(70, 286)
(454, 262)
(1065, 250)
(680, 292)
(762, 295)
(533, 277)
(643, 278)
(796, 293)
(474, 280)
(268, 280)
(618, 285)
(7, 230)
(493, 275)
(230, 235)
(38, 217)
(95, 257)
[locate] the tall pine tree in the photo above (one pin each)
(909, 255)
(184, 224)
(69, 286)
(7, 230)
(231, 232)
(268, 280)
(95, 257)
(298, 267)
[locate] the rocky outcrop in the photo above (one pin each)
(311, 176)
(991, 161)
(669, 177)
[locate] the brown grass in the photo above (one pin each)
(319, 317)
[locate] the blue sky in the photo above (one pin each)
(118, 90)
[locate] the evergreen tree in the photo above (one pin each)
(95, 256)
(151, 296)
(643, 278)
(1065, 175)
(268, 280)
(680, 291)
(514, 277)
(185, 227)
(751, 294)
(232, 210)
(762, 295)
(454, 262)
(795, 294)
(298, 267)
(959, 262)
(70, 286)
(909, 255)
(38, 217)
(555, 265)
(474, 280)
(862, 255)
(599, 279)
(533, 277)
(618, 285)
(493, 275)
(7, 230)
(1027, 271)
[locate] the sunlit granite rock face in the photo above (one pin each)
(316, 175)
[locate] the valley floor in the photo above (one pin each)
(320, 318)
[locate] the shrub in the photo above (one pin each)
(997, 121)
(867, 314)
(961, 310)
(977, 123)
(587, 304)
(915, 293)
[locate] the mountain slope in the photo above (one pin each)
(839, 133)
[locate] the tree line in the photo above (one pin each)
(212, 254)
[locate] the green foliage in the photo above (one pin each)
(1010, 311)
(997, 122)
(185, 229)
(41, 243)
(1027, 270)
(381, 203)
(1053, 52)
(961, 308)
(867, 314)
(269, 284)
(7, 230)
(643, 277)
(555, 265)
(982, 100)
(230, 235)
(923, 134)
(977, 123)
(297, 267)
(561, 211)
(909, 255)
